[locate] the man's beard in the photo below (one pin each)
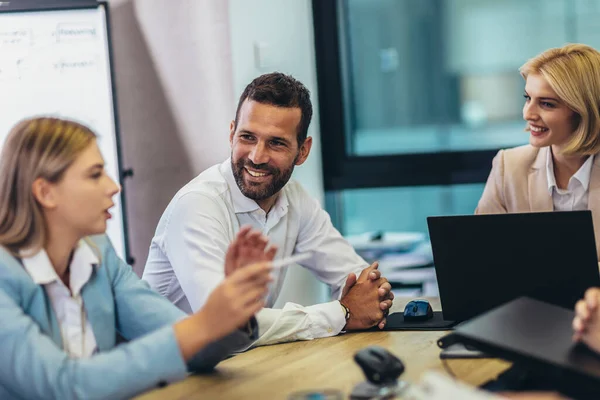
(260, 191)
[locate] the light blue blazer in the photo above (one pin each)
(33, 364)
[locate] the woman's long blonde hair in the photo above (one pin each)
(35, 148)
(573, 72)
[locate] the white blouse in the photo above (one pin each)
(77, 334)
(575, 197)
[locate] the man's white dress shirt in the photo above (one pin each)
(77, 334)
(187, 253)
(575, 197)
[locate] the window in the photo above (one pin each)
(417, 96)
(401, 208)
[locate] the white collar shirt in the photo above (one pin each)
(76, 332)
(575, 197)
(186, 258)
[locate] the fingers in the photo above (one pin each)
(243, 231)
(252, 296)
(270, 253)
(591, 298)
(259, 242)
(262, 277)
(384, 288)
(259, 281)
(249, 246)
(578, 325)
(381, 324)
(230, 258)
(585, 313)
(350, 281)
(235, 247)
(374, 275)
(364, 274)
(385, 305)
(249, 238)
(251, 272)
(253, 245)
(582, 311)
(242, 237)
(250, 307)
(250, 286)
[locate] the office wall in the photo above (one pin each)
(189, 44)
(277, 35)
(179, 70)
(283, 30)
(173, 76)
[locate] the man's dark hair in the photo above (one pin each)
(280, 90)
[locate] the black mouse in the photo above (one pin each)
(418, 310)
(379, 365)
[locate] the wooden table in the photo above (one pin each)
(273, 372)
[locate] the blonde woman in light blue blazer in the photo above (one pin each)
(65, 294)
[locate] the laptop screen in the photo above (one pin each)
(482, 261)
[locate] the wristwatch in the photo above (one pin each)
(346, 314)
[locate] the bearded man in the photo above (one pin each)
(268, 137)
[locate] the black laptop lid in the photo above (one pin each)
(528, 330)
(482, 261)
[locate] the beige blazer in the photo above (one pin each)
(519, 183)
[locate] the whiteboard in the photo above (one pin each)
(57, 63)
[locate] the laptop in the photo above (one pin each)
(537, 335)
(482, 261)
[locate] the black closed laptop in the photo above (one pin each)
(482, 261)
(536, 335)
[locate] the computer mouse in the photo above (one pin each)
(379, 365)
(418, 310)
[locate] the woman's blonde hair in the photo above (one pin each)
(573, 72)
(35, 148)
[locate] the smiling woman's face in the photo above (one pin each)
(550, 121)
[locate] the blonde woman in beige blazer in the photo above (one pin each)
(559, 170)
